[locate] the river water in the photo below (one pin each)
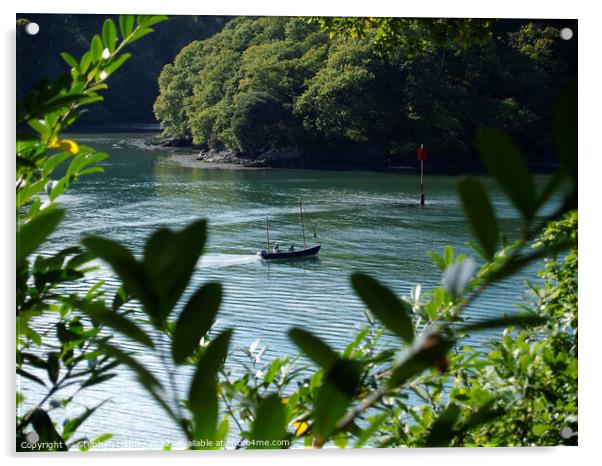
(366, 221)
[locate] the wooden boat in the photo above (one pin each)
(305, 252)
(290, 253)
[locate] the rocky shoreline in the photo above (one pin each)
(224, 160)
(287, 157)
(292, 158)
(191, 156)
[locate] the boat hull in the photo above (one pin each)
(307, 252)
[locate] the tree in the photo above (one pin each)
(344, 93)
(359, 394)
(134, 89)
(257, 120)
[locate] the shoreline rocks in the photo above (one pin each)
(296, 158)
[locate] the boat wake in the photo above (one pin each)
(227, 260)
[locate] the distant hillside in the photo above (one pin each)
(134, 89)
(269, 83)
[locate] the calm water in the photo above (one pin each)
(366, 221)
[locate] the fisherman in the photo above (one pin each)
(277, 248)
(292, 248)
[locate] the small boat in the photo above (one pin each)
(290, 253)
(305, 252)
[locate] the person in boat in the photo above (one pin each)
(277, 248)
(292, 248)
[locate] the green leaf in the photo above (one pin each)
(145, 377)
(270, 422)
(149, 20)
(565, 130)
(126, 25)
(131, 272)
(334, 397)
(373, 427)
(458, 275)
(222, 429)
(202, 396)
(437, 259)
(195, 321)
(505, 163)
(99, 313)
(428, 351)
(32, 234)
(482, 415)
(58, 188)
(515, 264)
(506, 321)
(540, 429)
(71, 425)
(393, 312)
(109, 34)
(117, 63)
(96, 48)
(480, 214)
(448, 255)
(53, 162)
(29, 376)
(442, 430)
(102, 438)
(85, 62)
(340, 439)
(169, 259)
(121, 297)
(53, 367)
(349, 349)
(34, 360)
(140, 33)
(551, 186)
(46, 431)
(318, 351)
(70, 60)
(95, 380)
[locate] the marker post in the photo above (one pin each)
(422, 156)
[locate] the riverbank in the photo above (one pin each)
(294, 158)
(193, 161)
(354, 158)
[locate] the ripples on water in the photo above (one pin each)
(366, 222)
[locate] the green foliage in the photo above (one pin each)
(318, 351)
(522, 392)
(134, 89)
(270, 425)
(534, 371)
(202, 397)
(73, 353)
(276, 83)
(479, 212)
(256, 121)
(375, 112)
(32, 234)
(509, 167)
(196, 320)
(386, 306)
(412, 36)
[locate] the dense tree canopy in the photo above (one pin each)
(134, 89)
(275, 82)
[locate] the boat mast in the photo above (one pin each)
(302, 222)
(267, 232)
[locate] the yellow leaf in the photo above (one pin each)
(67, 145)
(300, 427)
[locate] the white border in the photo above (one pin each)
(589, 130)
